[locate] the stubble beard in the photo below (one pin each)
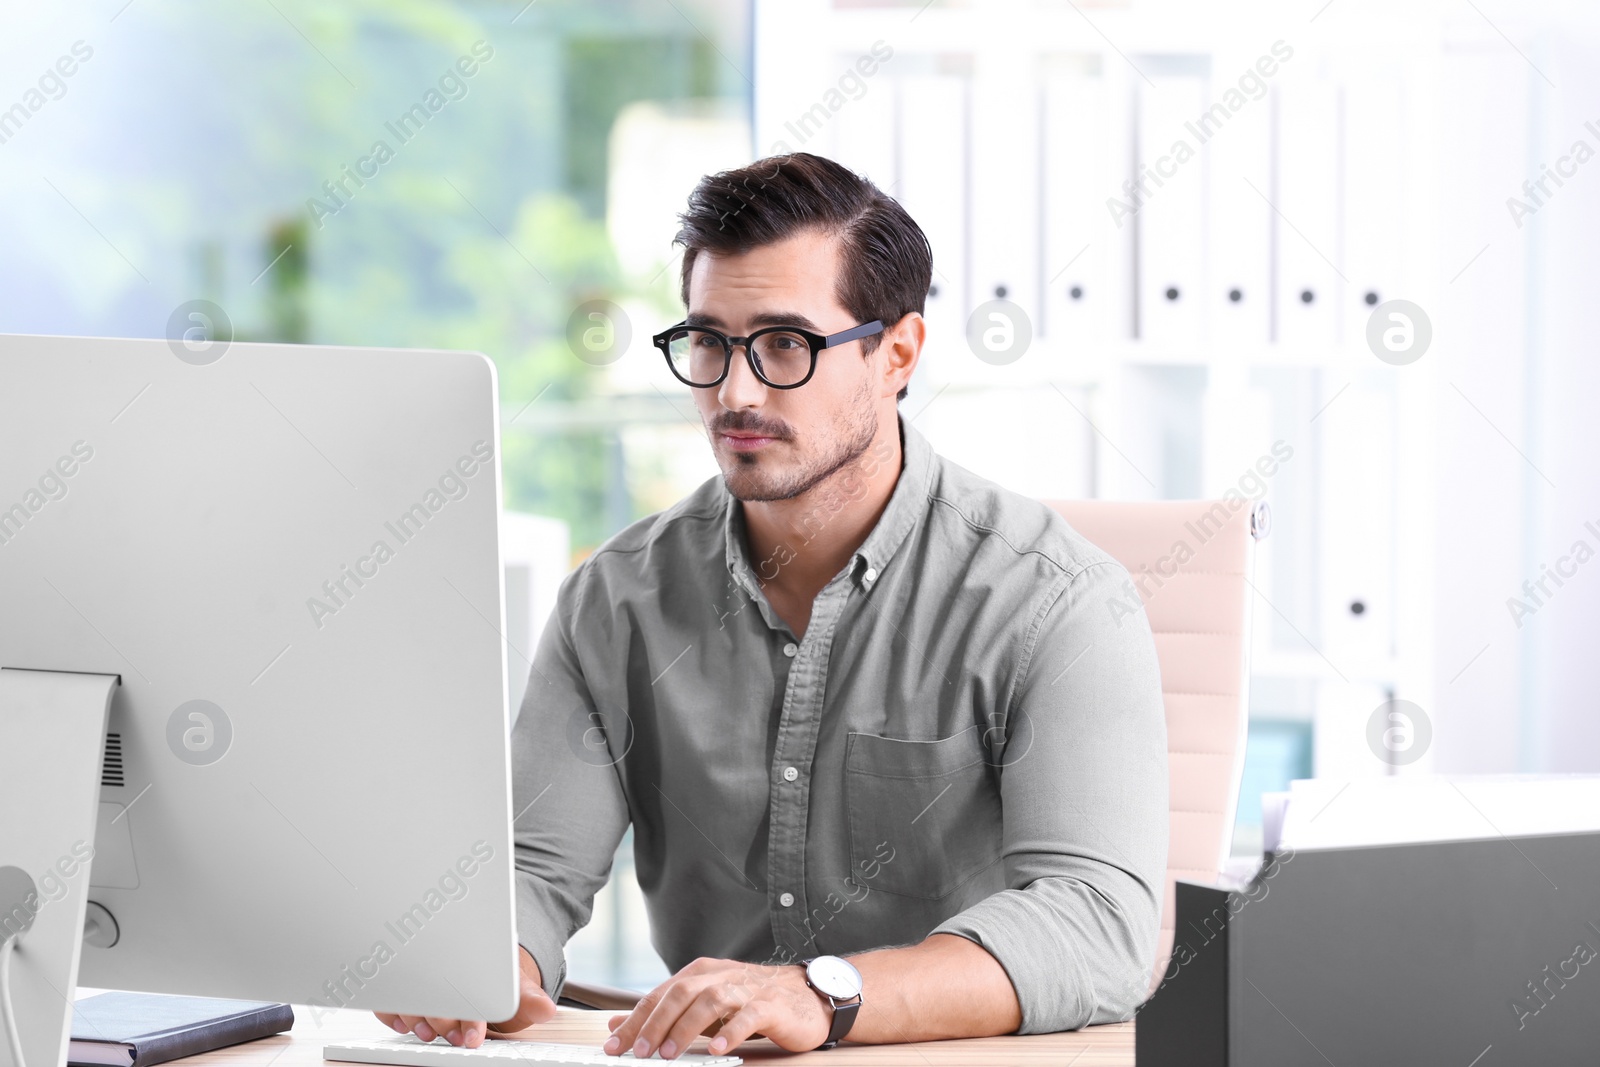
(748, 478)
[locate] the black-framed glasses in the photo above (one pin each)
(784, 357)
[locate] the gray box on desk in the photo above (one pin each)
(1481, 952)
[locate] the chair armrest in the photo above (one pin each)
(598, 997)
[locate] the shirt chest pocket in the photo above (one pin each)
(924, 815)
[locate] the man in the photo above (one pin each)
(854, 700)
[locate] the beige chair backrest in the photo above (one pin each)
(1191, 561)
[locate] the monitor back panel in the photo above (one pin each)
(290, 556)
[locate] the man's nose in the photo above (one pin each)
(741, 388)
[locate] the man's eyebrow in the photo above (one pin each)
(763, 318)
(784, 318)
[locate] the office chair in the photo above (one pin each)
(1199, 611)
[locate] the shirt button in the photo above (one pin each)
(790, 774)
(871, 575)
(790, 649)
(786, 899)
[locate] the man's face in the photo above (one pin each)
(775, 444)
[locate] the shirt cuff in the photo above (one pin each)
(1043, 953)
(536, 934)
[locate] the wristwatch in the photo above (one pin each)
(839, 983)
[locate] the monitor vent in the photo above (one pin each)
(111, 767)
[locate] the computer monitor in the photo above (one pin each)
(289, 555)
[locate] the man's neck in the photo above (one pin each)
(796, 546)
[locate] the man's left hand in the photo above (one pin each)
(729, 1000)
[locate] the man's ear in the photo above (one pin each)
(901, 345)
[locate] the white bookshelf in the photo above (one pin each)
(1054, 106)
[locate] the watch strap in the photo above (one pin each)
(844, 1017)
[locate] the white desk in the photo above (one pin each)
(1099, 1046)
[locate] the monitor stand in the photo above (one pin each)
(52, 741)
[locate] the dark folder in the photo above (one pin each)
(140, 1029)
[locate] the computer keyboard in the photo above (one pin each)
(413, 1052)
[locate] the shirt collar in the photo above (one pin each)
(907, 502)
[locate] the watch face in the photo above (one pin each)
(836, 977)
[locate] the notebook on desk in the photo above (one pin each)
(140, 1029)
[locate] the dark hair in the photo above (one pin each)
(886, 264)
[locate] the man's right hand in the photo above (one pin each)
(534, 1006)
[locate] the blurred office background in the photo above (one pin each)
(1194, 219)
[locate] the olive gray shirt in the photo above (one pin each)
(968, 739)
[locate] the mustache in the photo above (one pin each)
(751, 423)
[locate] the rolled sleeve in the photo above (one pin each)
(1084, 796)
(569, 802)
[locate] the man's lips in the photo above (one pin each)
(743, 441)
